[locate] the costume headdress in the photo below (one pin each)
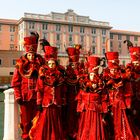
(93, 63)
(112, 59)
(134, 51)
(31, 42)
(73, 53)
(50, 52)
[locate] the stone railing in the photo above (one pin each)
(11, 116)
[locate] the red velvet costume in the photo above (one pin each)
(24, 84)
(50, 97)
(118, 99)
(72, 73)
(91, 126)
(135, 72)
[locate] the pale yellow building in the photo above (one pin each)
(63, 30)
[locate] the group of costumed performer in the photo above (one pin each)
(79, 102)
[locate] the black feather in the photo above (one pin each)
(44, 43)
(129, 43)
(36, 35)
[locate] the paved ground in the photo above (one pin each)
(1, 114)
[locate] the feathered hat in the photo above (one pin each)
(50, 52)
(74, 53)
(112, 59)
(93, 63)
(134, 51)
(31, 42)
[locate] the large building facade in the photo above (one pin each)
(63, 30)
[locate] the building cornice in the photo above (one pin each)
(66, 18)
(9, 21)
(123, 32)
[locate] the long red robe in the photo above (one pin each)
(91, 125)
(120, 101)
(24, 84)
(51, 96)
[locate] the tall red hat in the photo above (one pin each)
(134, 53)
(74, 53)
(30, 44)
(112, 59)
(50, 52)
(93, 63)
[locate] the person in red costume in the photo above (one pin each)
(134, 69)
(72, 73)
(118, 99)
(24, 83)
(47, 125)
(91, 125)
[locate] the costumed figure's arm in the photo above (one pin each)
(109, 82)
(82, 82)
(40, 88)
(60, 83)
(16, 84)
(79, 101)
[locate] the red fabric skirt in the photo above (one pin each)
(123, 125)
(91, 126)
(47, 125)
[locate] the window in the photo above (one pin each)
(12, 28)
(82, 29)
(31, 25)
(11, 46)
(0, 62)
(70, 37)
(135, 38)
(14, 61)
(94, 39)
(11, 37)
(111, 46)
(93, 50)
(0, 27)
(58, 45)
(103, 40)
(45, 35)
(93, 31)
(82, 39)
(70, 28)
(127, 37)
(111, 36)
(58, 37)
(11, 73)
(103, 51)
(58, 27)
(70, 43)
(44, 26)
(120, 47)
(103, 31)
(119, 37)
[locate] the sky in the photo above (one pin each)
(121, 14)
